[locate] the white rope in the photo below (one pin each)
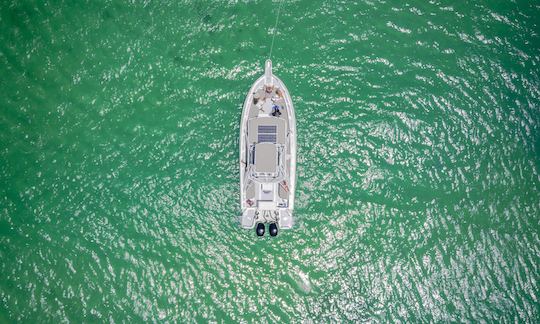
(274, 30)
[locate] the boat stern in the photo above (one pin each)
(251, 217)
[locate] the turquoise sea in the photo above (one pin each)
(418, 195)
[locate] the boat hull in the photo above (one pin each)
(267, 196)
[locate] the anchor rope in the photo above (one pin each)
(275, 28)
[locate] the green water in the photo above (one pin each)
(418, 192)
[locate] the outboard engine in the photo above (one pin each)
(260, 229)
(273, 229)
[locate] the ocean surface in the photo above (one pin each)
(418, 192)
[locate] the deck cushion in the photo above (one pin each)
(266, 158)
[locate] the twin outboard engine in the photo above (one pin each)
(272, 228)
(260, 229)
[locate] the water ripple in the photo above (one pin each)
(418, 175)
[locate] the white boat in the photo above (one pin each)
(267, 156)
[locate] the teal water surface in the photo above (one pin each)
(418, 192)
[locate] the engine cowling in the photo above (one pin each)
(273, 229)
(260, 229)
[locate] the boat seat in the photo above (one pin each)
(283, 194)
(250, 191)
(266, 192)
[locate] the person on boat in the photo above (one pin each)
(270, 91)
(259, 94)
(275, 111)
